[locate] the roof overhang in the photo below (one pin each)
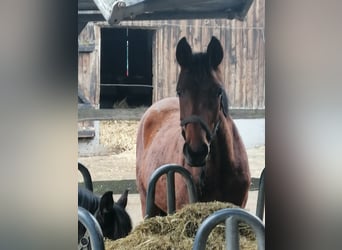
(114, 11)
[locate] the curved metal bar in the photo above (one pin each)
(93, 228)
(86, 176)
(261, 196)
(232, 234)
(171, 192)
(170, 170)
(222, 215)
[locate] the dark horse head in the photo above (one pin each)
(201, 98)
(112, 217)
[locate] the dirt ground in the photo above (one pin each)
(121, 166)
(118, 137)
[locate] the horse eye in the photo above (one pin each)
(179, 93)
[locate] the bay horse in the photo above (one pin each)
(193, 130)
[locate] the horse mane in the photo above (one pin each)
(199, 66)
(224, 103)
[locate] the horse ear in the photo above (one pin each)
(122, 201)
(183, 53)
(224, 102)
(214, 52)
(106, 202)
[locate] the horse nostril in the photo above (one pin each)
(196, 157)
(203, 149)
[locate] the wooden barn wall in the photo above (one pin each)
(89, 73)
(89, 64)
(243, 66)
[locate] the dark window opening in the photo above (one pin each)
(126, 67)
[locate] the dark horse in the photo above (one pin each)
(195, 131)
(112, 217)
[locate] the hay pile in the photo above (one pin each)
(178, 231)
(118, 136)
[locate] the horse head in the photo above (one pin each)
(201, 98)
(112, 216)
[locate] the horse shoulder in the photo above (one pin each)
(239, 148)
(240, 157)
(157, 117)
(155, 140)
(236, 149)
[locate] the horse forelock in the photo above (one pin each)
(196, 75)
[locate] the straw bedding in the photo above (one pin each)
(118, 136)
(178, 231)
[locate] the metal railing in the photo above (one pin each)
(93, 228)
(231, 217)
(86, 176)
(169, 170)
(261, 196)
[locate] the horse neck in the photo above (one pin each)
(218, 156)
(223, 144)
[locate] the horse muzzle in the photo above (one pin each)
(196, 158)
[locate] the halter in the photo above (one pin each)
(197, 119)
(210, 135)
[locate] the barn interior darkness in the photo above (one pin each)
(126, 67)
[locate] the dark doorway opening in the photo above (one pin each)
(126, 67)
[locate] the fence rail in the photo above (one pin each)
(135, 114)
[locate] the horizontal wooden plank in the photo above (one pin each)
(136, 114)
(119, 186)
(87, 133)
(126, 85)
(110, 114)
(86, 48)
(85, 106)
(247, 113)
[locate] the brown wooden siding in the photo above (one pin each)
(89, 64)
(243, 66)
(89, 73)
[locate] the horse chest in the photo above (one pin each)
(214, 183)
